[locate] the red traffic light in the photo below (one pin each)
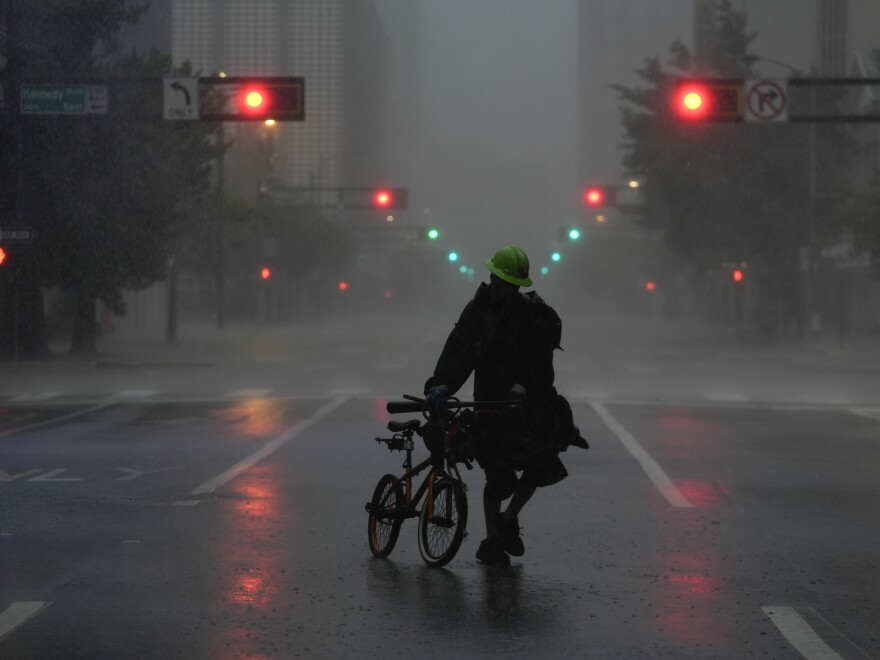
(708, 100)
(254, 101)
(343, 285)
(266, 273)
(599, 196)
(650, 286)
(594, 197)
(383, 198)
(2, 256)
(738, 275)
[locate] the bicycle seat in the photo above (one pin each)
(397, 427)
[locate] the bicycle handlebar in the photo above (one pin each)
(416, 404)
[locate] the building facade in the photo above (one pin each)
(338, 47)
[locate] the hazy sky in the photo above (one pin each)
(498, 105)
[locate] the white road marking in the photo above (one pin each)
(17, 613)
(55, 420)
(136, 394)
(726, 397)
(799, 633)
(52, 474)
(134, 474)
(12, 476)
(186, 502)
(870, 413)
(655, 473)
(273, 445)
(249, 394)
(42, 396)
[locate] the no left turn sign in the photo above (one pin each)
(766, 101)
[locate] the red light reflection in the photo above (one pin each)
(254, 417)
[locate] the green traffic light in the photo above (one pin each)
(574, 233)
(453, 256)
(556, 256)
(544, 270)
(433, 234)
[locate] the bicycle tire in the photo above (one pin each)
(386, 516)
(440, 536)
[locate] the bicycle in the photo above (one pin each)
(448, 434)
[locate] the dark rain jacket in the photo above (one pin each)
(502, 343)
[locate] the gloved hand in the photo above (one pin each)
(435, 395)
(515, 398)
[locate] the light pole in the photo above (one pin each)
(809, 316)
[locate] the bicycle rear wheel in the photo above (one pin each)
(440, 534)
(386, 515)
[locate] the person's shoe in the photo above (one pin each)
(491, 551)
(510, 537)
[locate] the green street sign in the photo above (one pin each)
(45, 99)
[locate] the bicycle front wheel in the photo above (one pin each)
(441, 530)
(386, 515)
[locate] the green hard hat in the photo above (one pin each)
(512, 265)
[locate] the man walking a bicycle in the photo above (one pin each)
(506, 339)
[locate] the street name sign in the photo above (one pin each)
(16, 234)
(53, 99)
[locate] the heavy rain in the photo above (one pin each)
(474, 328)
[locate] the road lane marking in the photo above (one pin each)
(273, 445)
(655, 473)
(132, 474)
(186, 502)
(249, 394)
(799, 633)
(136, 394)
(17, 613)
(12, 476)
(42, 396)
(726, 397)
(55, 420)
(870, 413)
(51, 474)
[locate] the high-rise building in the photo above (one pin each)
(338, 47)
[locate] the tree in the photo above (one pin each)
(106, 194)
(720, 192)
(859, 216)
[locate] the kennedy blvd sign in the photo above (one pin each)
(47, 99)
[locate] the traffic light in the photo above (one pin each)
(738, 275)
(708, 100)
(574, 234)
(432, 234)
(599, 196)
(2, 255)
(388, 198)
(650, 285)
(252, 98)
(265, 273)
(556, 256)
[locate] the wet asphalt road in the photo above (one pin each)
(712, 516)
